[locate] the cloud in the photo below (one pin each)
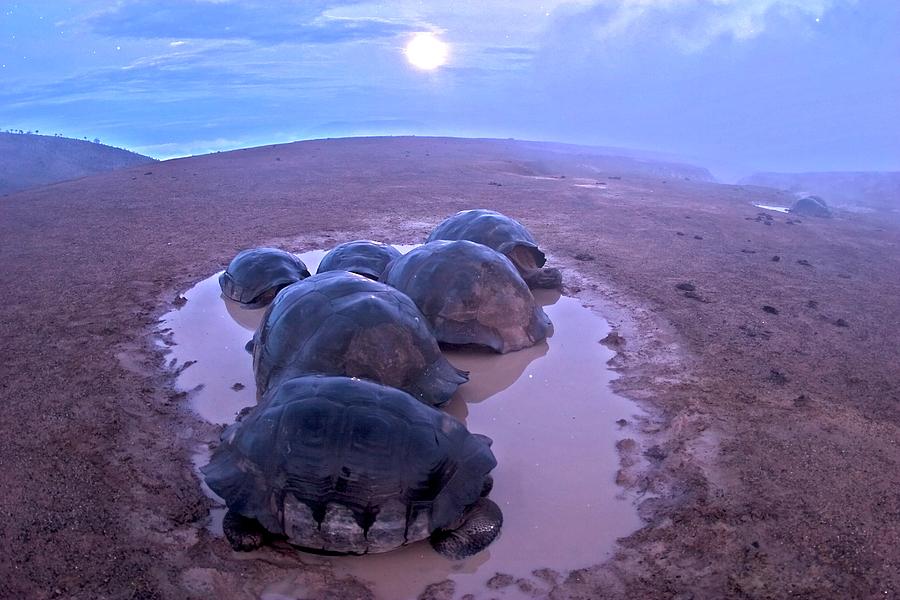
(693, 25)
(268, 23)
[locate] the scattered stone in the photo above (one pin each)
(613, 340)
(622, 422)
(801, 401)
(686, 287)
(584, 256)
(777, 377)
(776, 258)
(655, 453)
(277, 158)
(238, 386)
(812, 304)
(444, 590)
(804, 262)
(842, 323)
(679, 233)
(698, 237)
(745, 251)
(500, 580)
(244, 412)
(696, 296)
(770, 309)
(149, 173)
(811, 206)
(179, 301)
(497, 183)
(548, 575)
(614, 177)
(844, 276)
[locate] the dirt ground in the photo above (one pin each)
(771, 467)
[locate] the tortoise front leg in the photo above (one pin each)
(480, 525)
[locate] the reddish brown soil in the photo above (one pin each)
(774, 459)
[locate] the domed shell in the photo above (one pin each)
(492, 229)
(363, 257)
(470, 294)
(254, 277)
(344, 465)
(340, 323)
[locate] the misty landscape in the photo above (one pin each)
(343, 299)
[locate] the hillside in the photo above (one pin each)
(870, 190)
(28, 160)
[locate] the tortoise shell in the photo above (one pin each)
(343, 465)
(340, 323)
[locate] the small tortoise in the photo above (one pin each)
(340, 323)
(470, 295)
(363, 257)
(254, 277)
(505, 235)
(341, 465)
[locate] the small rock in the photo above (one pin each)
(179, 301)
(770, 309)
(696, 296)
(679, 233)
(749, 251)
(584, 256)
(613, 340)
(776, 258)
(685, 286)
(655, 453)
(238, 386)
(842, 323)
(622, 422)
(443, 590)
(525, 586)
(500, 580)
(812, 304)
(548, 575)
(777, 377)
(801, 401)
(698, 237)
(804, 262)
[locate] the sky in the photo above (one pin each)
(735, 85)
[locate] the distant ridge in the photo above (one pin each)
(874, 190)
(30, 160)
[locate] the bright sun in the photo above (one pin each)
(425, 51)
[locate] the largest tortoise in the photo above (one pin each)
(343, 465)
(505, 235)
(340, 323)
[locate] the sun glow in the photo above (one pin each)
(425, 51)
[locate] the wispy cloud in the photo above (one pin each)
(693, 25)
(268, 23)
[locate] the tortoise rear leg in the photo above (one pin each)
(480, 525)
(242, 533)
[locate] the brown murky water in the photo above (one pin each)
(549, 410)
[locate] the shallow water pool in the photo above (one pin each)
(549, 410)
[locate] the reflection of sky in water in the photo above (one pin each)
(548, 409)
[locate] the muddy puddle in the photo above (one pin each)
(781, 209)
(549, 410)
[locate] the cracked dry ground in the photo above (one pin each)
(769, 467)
